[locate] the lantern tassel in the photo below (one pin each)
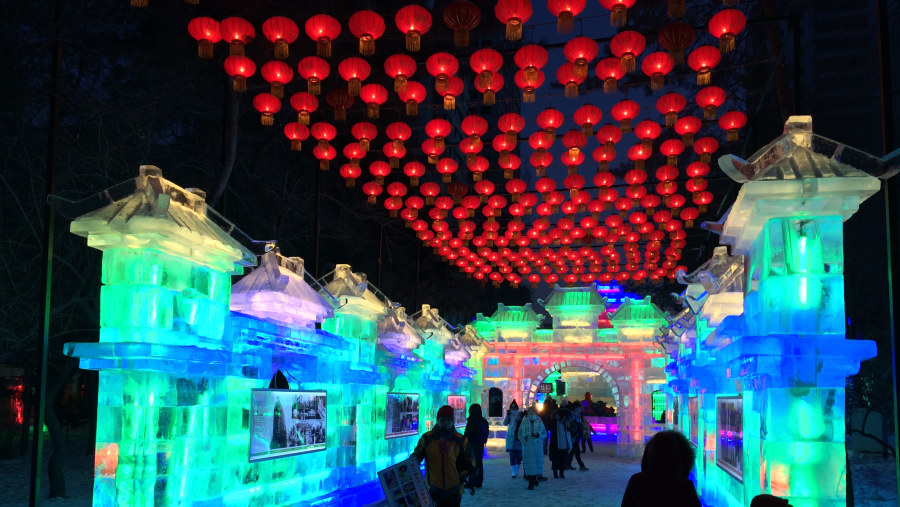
(709, 113)
(412, 108)
(314, 86)
(442, 83)
(541, 171)
(587, 130)
(581, 68)
(364, 144)
(461, 38)
(400, 83)
(656, 81)
(528, 95)
(731, 135)
(372, 110)
(413, 41)
(476, 176)
(514, 29)
(205, 49)
(485, 79)
(449, 102)
(323, 164)
(512, 137)
(618, 16)
(609, 85)
(277, 89)
(236, 49)
(367, 45)
(281, 49)
(340, 114)
(303, 117)
(508, 175)
(625, 125)
(267, 119)
(672, 160)
(353, 86)
(490, 98)
(628, 63)
(323, 47)
(139, 3)
(446, 177)
(565, 22)
(688, 140)
(726, 43)
(571, 90)
(296, 145)
(531, 73)
(239, 83)
(432, 159)
(671, 118)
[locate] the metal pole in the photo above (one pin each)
(37, 434)
(891, 194)
(317, 225)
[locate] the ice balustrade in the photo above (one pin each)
(181, 349)
(758, 359)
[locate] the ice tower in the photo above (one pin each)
(759, 356)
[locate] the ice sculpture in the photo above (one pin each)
(760, 388)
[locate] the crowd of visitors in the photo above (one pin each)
(453, 460)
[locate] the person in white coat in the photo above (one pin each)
(531, 433)
(513, 446)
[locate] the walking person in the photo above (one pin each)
(448, 460)
(576, 428)
(586, 434)
(477, 432)
(663, 479)
(547, 417)
(531, 433)
(560, 442)
(513, 445)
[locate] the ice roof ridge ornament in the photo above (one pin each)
(799, 154)
(721, 273)
(152, 212)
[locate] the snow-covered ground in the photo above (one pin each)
(874, 481)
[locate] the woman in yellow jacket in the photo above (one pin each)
(448, 460)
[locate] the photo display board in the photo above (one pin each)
(286, 422)
(459, 404)
(401, 415)
(730, 436)
(404, 485)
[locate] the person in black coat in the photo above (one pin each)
(547, 418)
(476, 440)
(663, 480)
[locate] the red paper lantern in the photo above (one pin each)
(206, 32)
(686, 127)
(354, 70)
(413, 21)
(485, 63)
(514, 14)
(567, 76)
(280, 31)
(610, 71)
(237, 32)
(429, 190)
(373, 95)
(353, 152)
(618, 10)
(650, 202)
(587, 116)
(527, 85)
(414, 94)
(627, 46)
(305, 104)
(313, 69)
(656, 66)
(239, 68)
(725, 25)
(731, 122)
(541, 160)
(373, 190)
(511, 124)
(478, 167)
(276, 73)
(323, 29)
(442, 66)
(702, 199)
(267, 105)
(689, 215)
(380, 170)
(325, 155)
(549, 120)
(446, 167)
(604, 155)
(531, 58)
(697, 169)
(638, 154)
(609, 135)
(574, 182)
(393, 153)
(705, 147)
(297, 133)
(432, 150)
(364, 132)
(671, 148)
(623, 112)
(647, 131)
(675, 38)
(393, 205)
(572, 160)
(461, 16)
(340, 100)
(490, 92)
(670, 105)
(471, 147)
(438, 129)
(565, 12)
(367, 26)
(454, 89)
(580, 51)
(399, 68)
(702, 60)
(710, 98)
(323, 132)
(350, 173)
(516, 187)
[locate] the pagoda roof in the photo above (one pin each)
(574, 296)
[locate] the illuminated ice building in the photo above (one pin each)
(284, 390)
